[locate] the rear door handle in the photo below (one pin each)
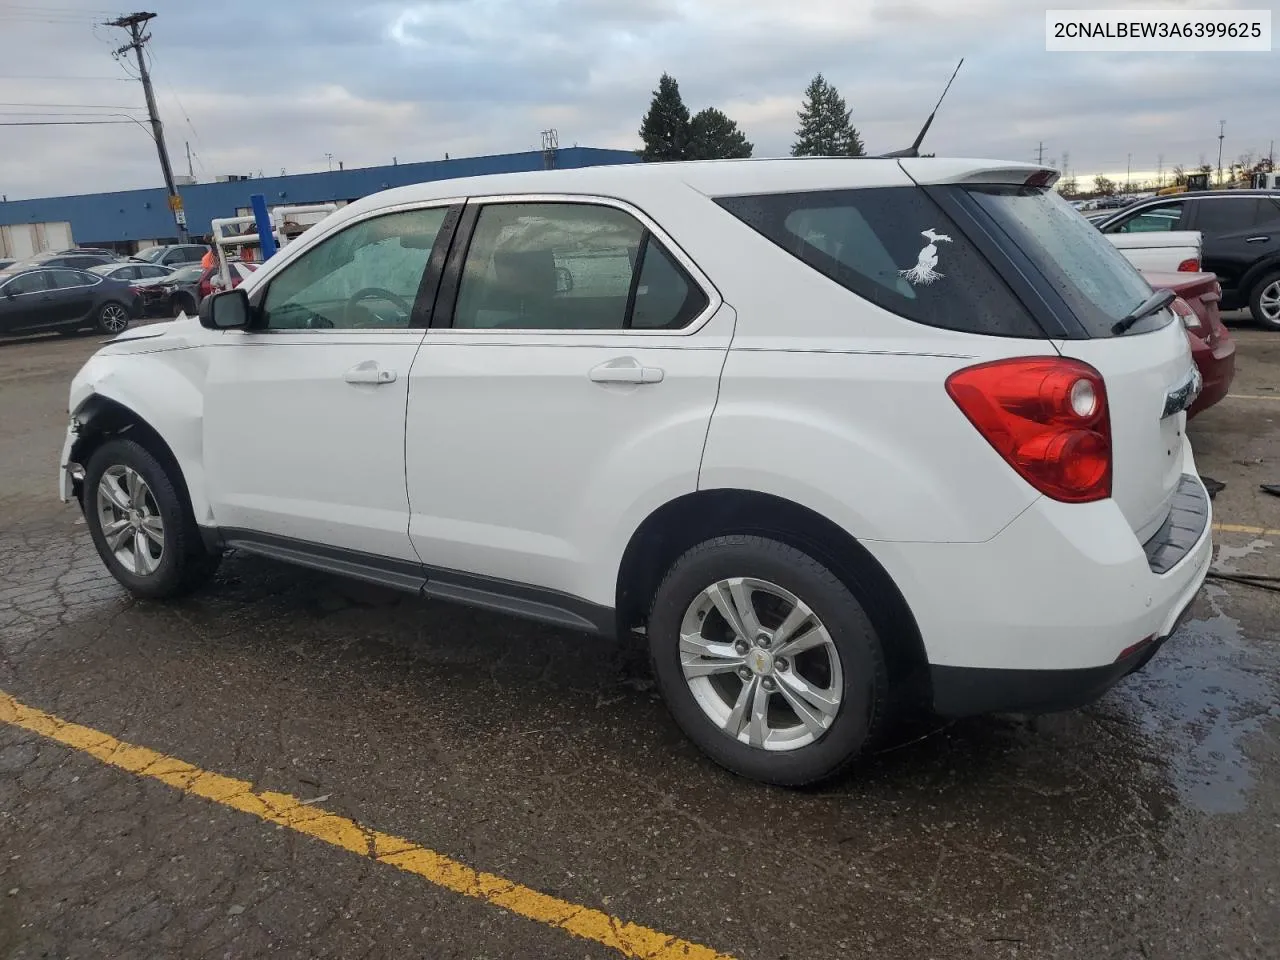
(369, 372)
(625, 370)
(1263, 239)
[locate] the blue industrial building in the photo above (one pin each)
(125, 218)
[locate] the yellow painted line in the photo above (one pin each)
(1240, 528)
(282, 809)
(1247, 396)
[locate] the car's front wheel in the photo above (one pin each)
(1265, 302)
(141, 522)
(113, 317)
(767, 661)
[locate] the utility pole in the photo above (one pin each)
(1222, 132)
(190, 169)
(329, 157)
(1040, 157)
(1160, 171)
(137, 40)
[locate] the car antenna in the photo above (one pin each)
(914, 149)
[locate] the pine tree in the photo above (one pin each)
(713, 136)
(665, 128)
(825, 130)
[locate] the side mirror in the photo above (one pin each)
(226, 310)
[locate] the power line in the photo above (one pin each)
(96, 106)
(37, 76)
(59, 123)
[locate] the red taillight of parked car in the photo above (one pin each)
(1190, 265)
(1047, 417)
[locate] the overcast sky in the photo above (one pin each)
(279, 83)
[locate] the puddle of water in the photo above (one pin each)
(1227, 553)
(1203, 694)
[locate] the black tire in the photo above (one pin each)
(183, 303)
(184, 563)
(861, 715)
(1255, 301)
(110, 317)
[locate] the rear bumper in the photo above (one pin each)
(1057, 607)
(970, 691)
(1217, 368)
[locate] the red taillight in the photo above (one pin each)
(1190, 265)
(1188, 316)
(1047, 416)
(136, 291)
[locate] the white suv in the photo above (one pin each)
(832, 433)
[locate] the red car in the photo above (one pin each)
(1211, 345)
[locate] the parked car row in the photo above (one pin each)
(1240, 231)
(68, 290)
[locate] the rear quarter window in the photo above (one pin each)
(894, 247)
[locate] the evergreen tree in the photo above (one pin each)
(713, 136)
(665, 128)
(825, 130)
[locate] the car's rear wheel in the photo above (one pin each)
(113, 317)
(767, 661)
(141, 522)
(1265, 302)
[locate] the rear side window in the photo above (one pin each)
(1229, 214)
(66, 279)
(894, 247)
(570, 266)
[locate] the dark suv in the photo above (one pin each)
(1241, 231)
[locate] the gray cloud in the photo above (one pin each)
(279, 84)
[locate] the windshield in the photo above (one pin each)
(185, 274)
(150, 254)
(1091, 276)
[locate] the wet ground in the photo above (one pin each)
(1147, 825)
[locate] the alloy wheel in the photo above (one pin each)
(760, 664)
(130, 520)
(114, 318)
(1269, 302)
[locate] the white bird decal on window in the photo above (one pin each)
(923, 272)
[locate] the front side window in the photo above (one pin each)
(27, 283)
(1152, 220)
(894, 247)
(570, 266)
(363, 277)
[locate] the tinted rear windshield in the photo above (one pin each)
(1096, 283)
(895, 247)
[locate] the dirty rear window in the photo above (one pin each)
(1092, 277)
(894, 247)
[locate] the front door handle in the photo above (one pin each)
(369, 372)
(1262, 239)
(625, 370)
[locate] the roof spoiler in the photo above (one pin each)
(914, 149)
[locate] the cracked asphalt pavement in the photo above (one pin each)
(1147, 825)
